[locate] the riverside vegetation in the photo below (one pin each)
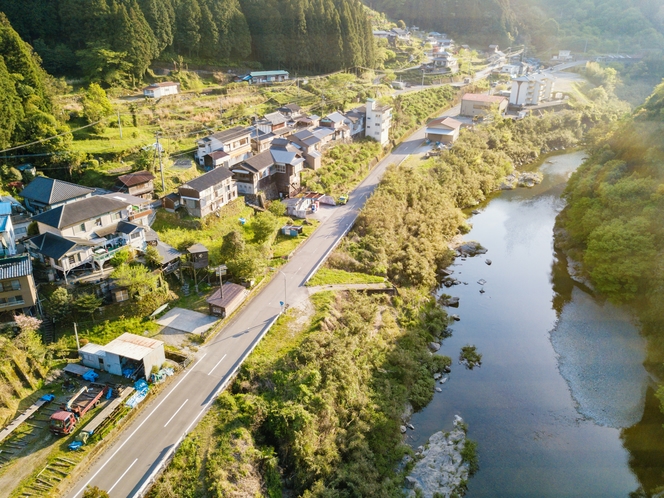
(316, 410)
(612, 221)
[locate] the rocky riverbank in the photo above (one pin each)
(440, 466)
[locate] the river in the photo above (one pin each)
(561, 405)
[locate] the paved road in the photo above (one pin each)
(126, 465)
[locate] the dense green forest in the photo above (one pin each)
(613, 219)
(111, 40)
(28, 111)
(481, 22)
(598, 26)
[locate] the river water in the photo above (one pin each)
(561, 405)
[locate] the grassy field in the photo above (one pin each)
(331, 276)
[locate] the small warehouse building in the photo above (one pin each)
(158, 90)
(233, 296)
(473, 104)
(444, 130)
(130, 355)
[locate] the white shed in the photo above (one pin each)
(127, 352)
(158, 90)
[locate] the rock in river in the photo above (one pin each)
(434, 346)
(440, 467)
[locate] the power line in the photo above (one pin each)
(50, 138)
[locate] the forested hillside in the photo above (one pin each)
(600, 26)
(477, 21)
(613, 219)
(109, 40)
(27, 111)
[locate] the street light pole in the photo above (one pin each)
(285, 282)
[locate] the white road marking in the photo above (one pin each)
(222, 359)
(138, 428)
(123, 474)
(176, 412)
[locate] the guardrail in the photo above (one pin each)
(152, 478)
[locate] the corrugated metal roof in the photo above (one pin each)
(136, 178)
(132, 346)
(231, 293)
(17, 266)
(254, 74)
(93, 348)
(196, 248)
(5, 208)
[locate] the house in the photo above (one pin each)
(325, 134)
(42, 194)
(356, 119)
(90, 231)
(258, 77)
(531, 89)
(443, 130)
(511, 70)
(310, 145)
(311, 120)
(271, 122)
(138, 184)
(223, 304)
(236, 142)
(337, 122)
(20, 218)
(208, 193)
(379, 120)
(159, 90)
(563, 56)
(171, 202)
(261, 140)
(7, 235)
(473, 104)
(215, 159)
(129, 354)
(401, 34)
(298, 207)
(446, 61)
(17, 286)
(291, 111)
(274, 172)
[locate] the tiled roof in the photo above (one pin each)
(17, 266)
(49, 191)
(258, 162)
(214, 177)
(52, 245)
(85, 209)
(231, 134)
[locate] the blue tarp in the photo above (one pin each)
(90, 376)
(48, 397)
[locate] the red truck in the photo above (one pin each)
(64, 420)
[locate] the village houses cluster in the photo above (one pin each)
(79, 229)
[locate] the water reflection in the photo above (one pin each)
(533, 441)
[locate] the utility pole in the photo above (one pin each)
(78, 345)
(161, 165)
(120, 124)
